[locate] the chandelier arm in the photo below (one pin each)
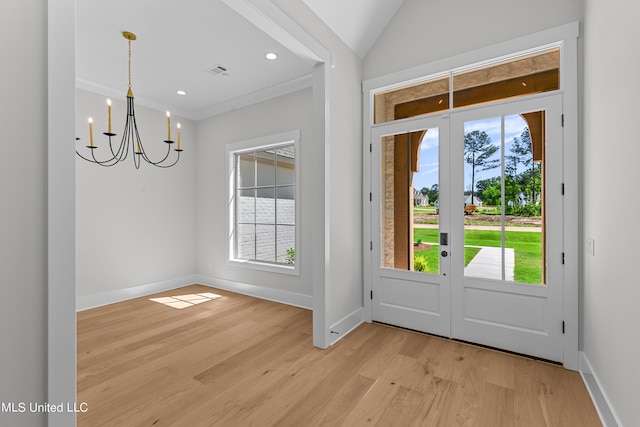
(128, 139)
(105, 163)
(160, 165)
(111, 147)
(143, 153)
(163, 159)
(114, 160)
(168, 165)
(85, 158)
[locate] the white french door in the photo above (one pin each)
(401, 295)
(510, 294)
(494, 272)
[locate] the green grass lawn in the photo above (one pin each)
(526, 245)
(425, 209)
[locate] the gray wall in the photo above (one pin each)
(425, 31)
(23, 210)
(282, 114)
(343, 179)
(133, 226)
(611, 291)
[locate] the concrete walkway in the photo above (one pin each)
(486, 264)
(485, 227)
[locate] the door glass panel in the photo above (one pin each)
(410, 181)
(526, 204)
(503, 198)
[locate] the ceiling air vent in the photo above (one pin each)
(218, 70)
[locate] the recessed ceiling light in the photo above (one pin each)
(181, 92)
(271, 56)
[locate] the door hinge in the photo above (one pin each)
(370, 197)
(371, 294)
(370, 148)
(371, 245)
(563, 120)
(563, 188)
(563, 326)
(562, 258)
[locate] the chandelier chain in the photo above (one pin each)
(129, 64)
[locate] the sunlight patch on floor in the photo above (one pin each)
(185, 301)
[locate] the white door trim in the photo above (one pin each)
(566, 34)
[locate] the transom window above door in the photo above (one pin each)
(515, 76)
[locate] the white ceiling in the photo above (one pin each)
(358, 23)
(178, 41)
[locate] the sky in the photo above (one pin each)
(429, 149)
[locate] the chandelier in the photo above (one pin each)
(130, 137)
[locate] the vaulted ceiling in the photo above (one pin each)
(180, 44)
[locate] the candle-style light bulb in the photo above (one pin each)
(90, 132)
(178, 135)
(168, 126)
(109, 115)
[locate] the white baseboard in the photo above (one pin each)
(340, 329)
(597, 393)
(104, 298)
(276, 295)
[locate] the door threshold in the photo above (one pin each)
(486, 347)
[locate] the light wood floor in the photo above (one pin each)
(241, 361)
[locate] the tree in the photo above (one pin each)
(511, 165)
(490, 190)
(530, 179)
(483, 184)
(478, 151)
(434, 192)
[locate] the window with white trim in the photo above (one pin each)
(263, 208)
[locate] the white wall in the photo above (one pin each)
(611, 290)
(282, 114)
(425, 31)
(346, 282)
(344, 180)
(23, 210)
(133, 226)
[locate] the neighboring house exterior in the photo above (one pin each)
(476, 200)
(420, 199)
(523, 200)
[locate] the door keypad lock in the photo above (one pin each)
(444, 241)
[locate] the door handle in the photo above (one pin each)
(444, 254)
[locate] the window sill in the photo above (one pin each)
(263, 266)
